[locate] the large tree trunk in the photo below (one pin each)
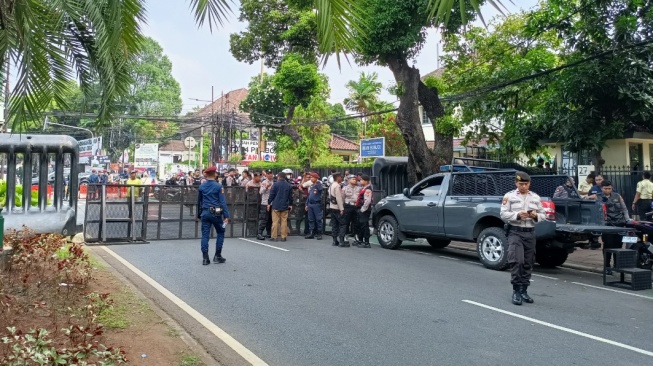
(443, 146)
(421, 162)
(288, 129)
(597, 160)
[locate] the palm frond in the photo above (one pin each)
(441, 9)
(52, 42)
(339, 24)
(213, 11)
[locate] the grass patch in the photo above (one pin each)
(190, 360)
(172, 332)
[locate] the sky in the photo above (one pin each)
(201, 58)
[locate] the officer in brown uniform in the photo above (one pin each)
(521, 209)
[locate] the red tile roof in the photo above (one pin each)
(340, 143)
(173, 145)
(227, 103)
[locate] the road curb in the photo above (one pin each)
(578, 267)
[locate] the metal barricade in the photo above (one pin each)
(40, 191)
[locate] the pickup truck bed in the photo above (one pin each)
(465, 206)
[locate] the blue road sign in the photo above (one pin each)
(372, 148)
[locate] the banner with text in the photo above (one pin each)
(89, 148)
(372, 148)
(146, 155)
(250, 151)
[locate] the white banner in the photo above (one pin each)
(146, 155)
(88, 149)
(251, 150)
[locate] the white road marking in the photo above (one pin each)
(568, 330)
(472, 262)
(613, 290)
(445, 257)
(543, 276)
(265, 245)
(424, 253)
(579, 270)
(245, 353)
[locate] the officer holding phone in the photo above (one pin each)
(212, 211)
(521, 209)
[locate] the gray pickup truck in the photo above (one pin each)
(465, 206)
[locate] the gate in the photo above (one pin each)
(40, 191)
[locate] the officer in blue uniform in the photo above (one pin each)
(212, 210)
(314, 208)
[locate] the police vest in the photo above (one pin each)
(360, 200)
(613, 209)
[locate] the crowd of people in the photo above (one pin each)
(349, 204)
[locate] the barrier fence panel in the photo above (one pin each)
(37, 175)
(120, 213)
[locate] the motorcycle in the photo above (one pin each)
(642, 244)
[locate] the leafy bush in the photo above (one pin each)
(18, 196)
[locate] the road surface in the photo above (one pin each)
(304, 302)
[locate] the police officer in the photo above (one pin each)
(616, 215)
(521, 209)
(364, 206)
(336, 206)
(314, 208)
(212, 210)
(350, 194)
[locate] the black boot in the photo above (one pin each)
(335, 242)
(516, 295)
(365, 244)
(260, 237)
(310, 236)
(525, 296)
(218, 257)
(205, 260)
(344, 243)
(318, 236)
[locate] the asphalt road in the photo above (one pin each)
(315, 304)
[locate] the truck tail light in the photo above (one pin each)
(549, 210)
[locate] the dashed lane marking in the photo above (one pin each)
(245, 353)
(613, 290)
(265, 245)
(452, 258)
(568, 330)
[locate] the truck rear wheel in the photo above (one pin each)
(439, 243)
(387, 231)
(492, 247)
(551, 257)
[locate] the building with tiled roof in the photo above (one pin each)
(343, 147)
(227, 103)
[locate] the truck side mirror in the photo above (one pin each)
(407, 192)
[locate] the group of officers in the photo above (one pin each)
(348, 204)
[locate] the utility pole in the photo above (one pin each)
(261, 142)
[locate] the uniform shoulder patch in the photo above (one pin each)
(505, 200)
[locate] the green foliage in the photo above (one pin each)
(85, 39)
(264, 102)
(298, 80)
(385, 125)
(18, 196)
(274, 28)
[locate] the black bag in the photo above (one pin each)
(216, 211)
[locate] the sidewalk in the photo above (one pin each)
(581, 259)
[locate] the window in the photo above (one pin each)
(429, 188)
(423, 117)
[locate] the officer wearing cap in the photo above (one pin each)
(350, 194)
(521, 209)
(212, 211)
(314, 208)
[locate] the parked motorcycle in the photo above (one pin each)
(643, 244)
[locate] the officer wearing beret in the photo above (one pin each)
(314, 208)
(212, 210)
(521, 209)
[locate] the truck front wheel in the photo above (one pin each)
(551, 257)
(387, 231)
(492, 247)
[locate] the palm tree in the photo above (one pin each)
(52, 42)
(364, 93)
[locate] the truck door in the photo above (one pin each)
(423, 211)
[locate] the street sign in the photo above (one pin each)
(190, 142)
(584, 171)
(372, 148)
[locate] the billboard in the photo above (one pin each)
(250, 148)
(88, 149)
(146, 155)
